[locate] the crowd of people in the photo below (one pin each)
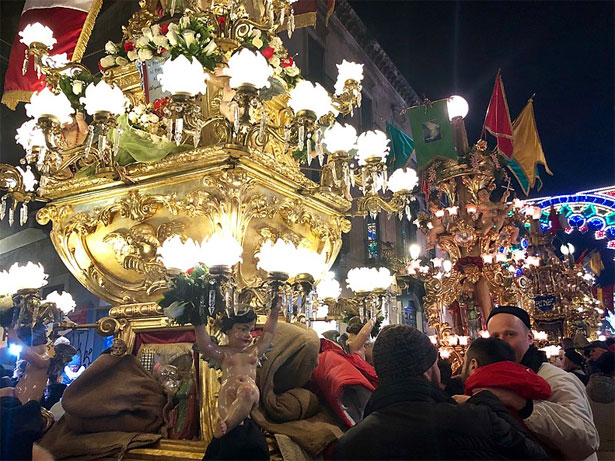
(506, 401)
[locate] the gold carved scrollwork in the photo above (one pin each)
(136, 248)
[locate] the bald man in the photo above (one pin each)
(564, 423)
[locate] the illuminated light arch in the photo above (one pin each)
(591, 210)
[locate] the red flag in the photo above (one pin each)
(305, 12)
(497, 119)
(556, 225)
(71, 21)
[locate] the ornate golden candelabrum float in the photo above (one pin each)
(188, 151)
(492, 252)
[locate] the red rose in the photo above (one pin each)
(287, 62)
(158, 103)
(128, 46)
(164, 28)
(221, 21)
(267, 52)
(189, 271)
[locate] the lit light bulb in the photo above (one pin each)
(102, 97)
(247, 67)
(37, 33)
(340, 138)
(347, 71)
(312, 97)
(457, 107)
(403, 180)
(220, 250)
(415, 251)
(47, 104)
(372, 145)
(182, 76)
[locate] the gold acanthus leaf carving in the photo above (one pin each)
(138, 207)
(53, 213)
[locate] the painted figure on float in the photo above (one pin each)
(238, 360)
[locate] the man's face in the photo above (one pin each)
(468, 368)
(595, 353)
(511, 329)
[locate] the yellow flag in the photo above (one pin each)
(595, 264)
(527, 149)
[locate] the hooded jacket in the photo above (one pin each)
(412, 419)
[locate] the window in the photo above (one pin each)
(316, 61)
(372, 239)
(367, 116)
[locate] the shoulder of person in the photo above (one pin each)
(564, 385)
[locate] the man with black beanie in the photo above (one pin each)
(564, 423)
(410, 417)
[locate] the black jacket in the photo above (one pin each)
(413, 420)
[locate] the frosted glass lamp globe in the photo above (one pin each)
(102, 97)
(372, 145)
(248, 67)
(340, 138)
(403, 180)
(277, 257)
(457, 107)
(37, 33)
(328, 287)
(47, 104)
(220, 250)
(29, 136)
(310, 262)
(29, 276)
(178, 255)
(308, 96)
(182, 76)
(64, 301)
(347, 71)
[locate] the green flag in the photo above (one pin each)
(433, 135)
(402, 147)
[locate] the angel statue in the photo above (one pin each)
(238, 360)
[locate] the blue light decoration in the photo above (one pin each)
(596, 223)
(524, 243)
(591, 210)
(576, 220)
(15, 349)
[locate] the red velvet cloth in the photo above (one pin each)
(511, 376)
(337, 370)
(66, 24)
(164, 337)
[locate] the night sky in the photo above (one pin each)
(562, 51)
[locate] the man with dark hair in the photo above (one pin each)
(490, 362)
(564, 422)
(409, 417)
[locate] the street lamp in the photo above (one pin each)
(457, 110)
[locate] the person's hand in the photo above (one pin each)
(508, 398)
(461, 398)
